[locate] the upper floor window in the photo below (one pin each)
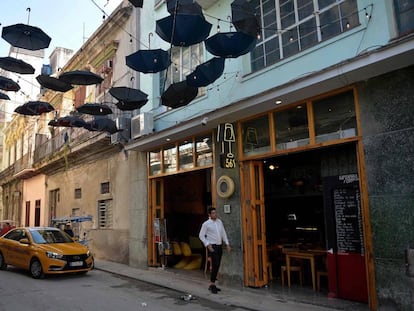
(291, 26)
(404, 11)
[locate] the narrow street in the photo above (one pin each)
(96, 290)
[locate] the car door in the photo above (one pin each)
(15, 249)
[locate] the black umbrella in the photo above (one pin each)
(26, 37)
(34, 108)
(68, 121)
(80, 77)
(53, 83)
(94, 109)
(4, 96)
(244, 19)
(102, 125)
(129, 98)
(230, 44)
(148, 61)
(206, 73)
(183, 6)
(7, 84)
(188, 29)
(137, 3)
(16, 65)
(179, 94)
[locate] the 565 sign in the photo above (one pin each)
(225, 136)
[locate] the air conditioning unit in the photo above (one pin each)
(142, 124)
(124, 135)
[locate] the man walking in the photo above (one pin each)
(213, 234)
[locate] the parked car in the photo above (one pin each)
(44, 250)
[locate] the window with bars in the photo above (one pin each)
(78, 193)
(291, 26)
(105, 214)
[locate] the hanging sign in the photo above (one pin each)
(225, 136)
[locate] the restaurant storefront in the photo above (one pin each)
(297, 174)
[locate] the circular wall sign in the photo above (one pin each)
(225, 187)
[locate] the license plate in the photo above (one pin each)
(76, 263)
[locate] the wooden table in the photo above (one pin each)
(310, 255)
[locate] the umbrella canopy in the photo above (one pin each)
(128, 95)
(80, 77)
(179, 94)
(53, 83)
(230, 44)
(244, 19)
(102, 125)
(181, 24)
(94, 109)
(206, 73)
(183, 6)
(16, 65)
(7, 84)
(34, 108)
(148, 61)
(4, 96)
(137, 3)
(68, 121)
(26, 37)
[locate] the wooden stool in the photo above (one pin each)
(298, 269)
(208, 264)
(319, 274)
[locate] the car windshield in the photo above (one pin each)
(48, 236)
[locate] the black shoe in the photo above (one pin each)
(213, 289)
(218, 289)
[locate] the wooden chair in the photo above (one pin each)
(319, 274)
(283, 271)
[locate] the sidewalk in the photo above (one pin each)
(249, 298)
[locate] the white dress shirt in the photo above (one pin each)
(213, 232)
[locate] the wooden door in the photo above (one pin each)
(253, 226)
(155, 210)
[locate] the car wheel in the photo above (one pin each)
(3, 264)
(36, 269)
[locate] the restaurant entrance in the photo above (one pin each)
(314, 235)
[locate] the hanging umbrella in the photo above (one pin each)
(188, 29)
(16, 65)
(244, 19)
(4, 96)
(80, 77)
(53, 83)
(206, 73)
(148, 61)
(137, 3)
(128, 95)
(230, 44)
(102, 125)
(183, 6)
(7, 84)
(179, 94)
(68, 121)
(26, 37)
(34, 108)
(125, 106)
(94, 109)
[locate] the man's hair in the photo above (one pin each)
(210, 209)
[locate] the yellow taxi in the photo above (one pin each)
(44, 250)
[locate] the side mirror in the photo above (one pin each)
(24, 241)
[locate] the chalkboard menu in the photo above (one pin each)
(343, 214)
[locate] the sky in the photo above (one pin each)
(68, 22)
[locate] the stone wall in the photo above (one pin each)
(387, 121)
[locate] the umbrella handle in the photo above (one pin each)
(28, 15)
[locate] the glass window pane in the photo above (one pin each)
(255, 135)
(308, 34)
(291, 127)
(170, 159)
(335, 117)
(287, 13)
(305, 8)
(155, 162)
(185, 151)
(330, 23)
(204, 149)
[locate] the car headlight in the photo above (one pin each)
(54, 255)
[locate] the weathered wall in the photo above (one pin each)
(102, 244)
(387, 119)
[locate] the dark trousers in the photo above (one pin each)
(215, 261)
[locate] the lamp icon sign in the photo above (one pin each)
(225, 135)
